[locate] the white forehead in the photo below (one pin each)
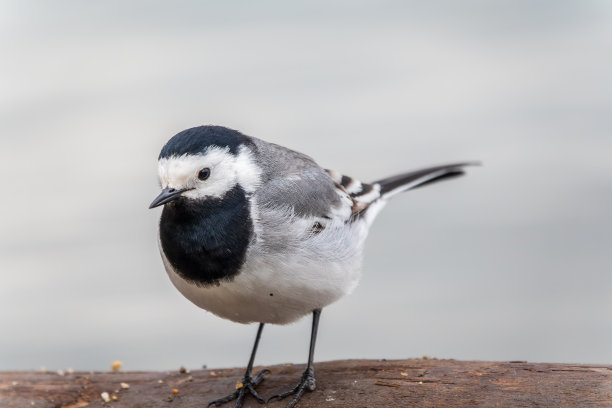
(226, 170)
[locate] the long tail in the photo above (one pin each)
(407, 181)
(366, 196)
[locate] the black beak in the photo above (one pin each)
(168, 194)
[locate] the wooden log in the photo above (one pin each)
(352, 383)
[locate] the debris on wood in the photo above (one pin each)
(116, 366)
(105, 397)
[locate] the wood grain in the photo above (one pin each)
(352, 383)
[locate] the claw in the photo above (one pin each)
(307, 382)
(247, 383)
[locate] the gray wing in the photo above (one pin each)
(293, 180)
(309, 193)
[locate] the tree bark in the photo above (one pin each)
(352, 383)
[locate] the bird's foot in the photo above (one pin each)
(307, 382)
(244, 386)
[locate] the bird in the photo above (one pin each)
(255, 232)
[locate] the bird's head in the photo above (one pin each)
(205, 162)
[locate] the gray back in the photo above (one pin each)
(292, 179)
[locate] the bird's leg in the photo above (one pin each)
(248, 383)
(307, 381)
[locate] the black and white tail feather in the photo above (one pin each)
(365, 195)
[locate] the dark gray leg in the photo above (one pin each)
(248, 383)
(307, 381)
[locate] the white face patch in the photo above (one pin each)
(226, 170)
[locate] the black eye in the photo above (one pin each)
(204, 173)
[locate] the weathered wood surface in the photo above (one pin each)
(353, 383)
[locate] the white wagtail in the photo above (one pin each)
(255, 232)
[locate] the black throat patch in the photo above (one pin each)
(206, 240)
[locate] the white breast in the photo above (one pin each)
(289, 271)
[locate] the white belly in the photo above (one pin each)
(284, 280)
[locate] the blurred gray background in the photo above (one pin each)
(512, 262)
